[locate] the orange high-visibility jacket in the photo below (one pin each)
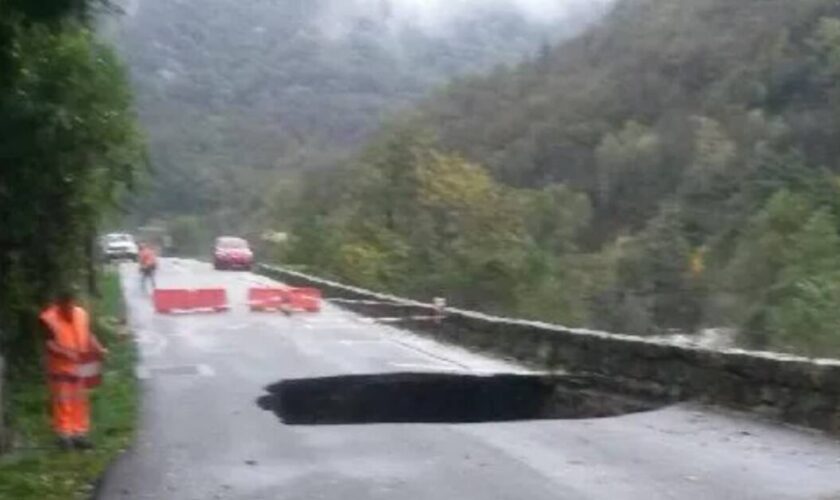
(147, 258)
(74, 336)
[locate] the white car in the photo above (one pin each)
(117, 246)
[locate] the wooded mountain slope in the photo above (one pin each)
(702, 134)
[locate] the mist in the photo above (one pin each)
(437, 16)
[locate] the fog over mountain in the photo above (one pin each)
(235, 93)
(439, 16)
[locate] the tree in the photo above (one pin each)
(804, 316)
(555, 216)
(630, 175)
(625, 156)
(70, 149)
(825, 44)
(654, 278)
(783, 274)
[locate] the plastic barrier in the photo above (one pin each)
(210, 300)
(168, 300)
(305, 299)
(267, 299)
(180, 300)
(284, 299)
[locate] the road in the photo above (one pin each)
(203, 435)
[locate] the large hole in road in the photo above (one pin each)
(442, 398)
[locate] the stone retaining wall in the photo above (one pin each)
(789, 388)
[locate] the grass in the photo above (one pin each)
(36, 469)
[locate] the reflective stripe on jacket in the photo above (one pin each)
(71, 335)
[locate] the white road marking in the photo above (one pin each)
(145, 372)
(365, 302)
(356, 342)
(441, 368)
(425, 366)
(398, 319)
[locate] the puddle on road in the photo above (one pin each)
(441, 398)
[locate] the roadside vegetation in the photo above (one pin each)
(35, 469)
(69, 150)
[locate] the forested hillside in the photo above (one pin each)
(676, 167)
(235, 93)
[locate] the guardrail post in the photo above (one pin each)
(440, 308)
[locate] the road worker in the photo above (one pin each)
(147, 258)
(72, 361)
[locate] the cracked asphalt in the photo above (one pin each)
(202, 435)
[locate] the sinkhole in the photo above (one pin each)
(443, 398)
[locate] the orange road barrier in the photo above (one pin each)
(267, 299)
(186, 301)
(284, 299)
(210, 300)
(168, 300)
(306, 299)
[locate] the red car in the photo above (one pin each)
(232, 253)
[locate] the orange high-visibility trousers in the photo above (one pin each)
(70, 408)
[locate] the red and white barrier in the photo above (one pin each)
(306, 299)
(267, 298)
(286, 299)
(187, 301)
(209, 300)
(168, 300)
(214, 299)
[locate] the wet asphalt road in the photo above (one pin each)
(203, 436)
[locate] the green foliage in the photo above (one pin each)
(825, 43)
(555, 216)
(653, 289)
(788, 266)
(805, 313)
(69, 148)
(418, 221)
